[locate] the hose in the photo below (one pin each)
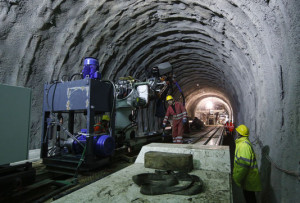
(131, 125)
(53, 115)
(62, 77)
(80, 162)
(114, 103)
(70, 78)
(291, 173)
(176, 83)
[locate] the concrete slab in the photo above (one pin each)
(211, 164)
(120, 188)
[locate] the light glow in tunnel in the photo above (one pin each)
(209, 105)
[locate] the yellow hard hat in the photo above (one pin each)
(105, 118)
(169, 97)
(242, 130)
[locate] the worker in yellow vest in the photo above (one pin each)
(245, 170)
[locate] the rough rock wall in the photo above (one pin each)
(247, 50)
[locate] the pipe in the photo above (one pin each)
(176, 83)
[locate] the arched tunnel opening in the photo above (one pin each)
(208, 104)
(241, 55)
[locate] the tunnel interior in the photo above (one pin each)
(241, 52)
(206, 49)
(209, 101)
(211, 105)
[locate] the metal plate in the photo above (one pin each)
(15, 106)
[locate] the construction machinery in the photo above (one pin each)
(72, 109)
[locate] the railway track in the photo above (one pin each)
(213, 136)
(51, 184)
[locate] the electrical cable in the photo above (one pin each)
(48, 125)
(80, 162)
(113, 104)
(48, 90)
(46, 137)
(62, 78)
(131, 125)
(65, 130)
(72, 76)
(176, 83)
(56, 121)
(292, 173)
(53, 115)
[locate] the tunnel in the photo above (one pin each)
(245, 53)
(207, 102)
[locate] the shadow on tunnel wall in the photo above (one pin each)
(267, 193)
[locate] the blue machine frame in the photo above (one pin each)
(87, 96)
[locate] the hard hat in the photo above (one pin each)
(105, 118)
(243, 130)
(169, 97)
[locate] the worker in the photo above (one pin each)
(103, 125)
(245, 170)
(177, 110)
(231, 128)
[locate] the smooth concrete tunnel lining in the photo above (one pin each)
(243, 52)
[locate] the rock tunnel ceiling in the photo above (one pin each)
(215, 46)
(187, 35)
(244, 52)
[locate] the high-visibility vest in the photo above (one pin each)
(231, 127)
(178, 114)
(100, 128)
(245, 170)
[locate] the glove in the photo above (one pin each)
(184, 120)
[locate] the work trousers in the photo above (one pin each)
(177, 131)
(249, 196)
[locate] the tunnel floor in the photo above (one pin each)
(119, 163)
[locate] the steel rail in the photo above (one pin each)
(197, 139)
(211, 136)
(220, 140)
